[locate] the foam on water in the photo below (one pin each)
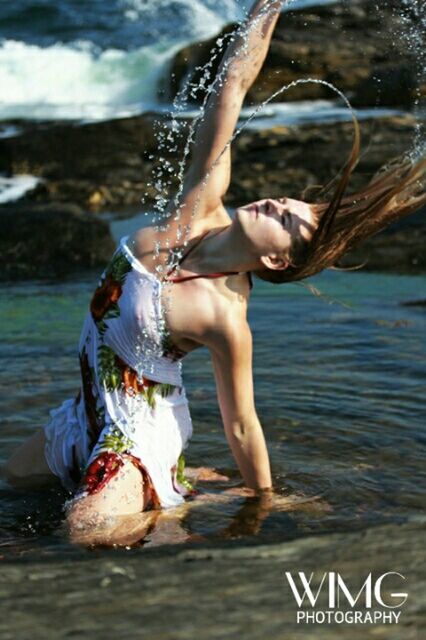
(78, 81)
(15, 187)
(202, 18)
(87, 79)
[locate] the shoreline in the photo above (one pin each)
(176, 579)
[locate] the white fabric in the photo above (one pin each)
(155, 435)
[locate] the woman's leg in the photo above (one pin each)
(27, 466)
(95, 518)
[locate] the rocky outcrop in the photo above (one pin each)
(50, 241)
(108, 166)
(400, 248)
(99, 165)
(355, 45)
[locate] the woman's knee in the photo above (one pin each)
(122, 494)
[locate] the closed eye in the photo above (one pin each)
(284, 220)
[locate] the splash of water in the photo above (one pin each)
(413, 17)
(170, 130)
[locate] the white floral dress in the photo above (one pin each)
(131, 401)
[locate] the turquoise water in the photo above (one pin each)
(340, 392)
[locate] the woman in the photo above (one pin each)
(119, 444)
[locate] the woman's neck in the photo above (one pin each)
(221, 250)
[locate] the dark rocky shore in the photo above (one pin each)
(354, 45)
(87, 170)
(230, 591)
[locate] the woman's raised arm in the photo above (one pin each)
(239, 68)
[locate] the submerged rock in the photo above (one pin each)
(50, 240)
(414, 303)
(350, 44)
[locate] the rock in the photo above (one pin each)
(242, 590)
(95, 165)
(351, 45)
(50, 240)
(395, 250)
(414, 303)
(290, 159)
(108, 166)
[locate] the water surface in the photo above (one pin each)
(340, 392)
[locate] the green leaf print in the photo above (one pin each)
(112, 312)
(109, 373)
(180, 474)
(166, 389)
(149, 394)
(118, 268)
(116, 441)
(162, 388)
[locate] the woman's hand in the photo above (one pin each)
(204, 474)
(269, 500)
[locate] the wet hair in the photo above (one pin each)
(396, 190)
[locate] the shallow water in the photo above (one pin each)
(339, 388)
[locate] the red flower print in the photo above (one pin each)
(129, 378)
(104, 467)
(104, 297)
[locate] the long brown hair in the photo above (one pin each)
(396, 190)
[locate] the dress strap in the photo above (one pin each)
(202, 275)
(186, 254)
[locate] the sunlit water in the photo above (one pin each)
(340, 392)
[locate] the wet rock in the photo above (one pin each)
(108, 166)
(95, 165)
(285, 161)
(351, 45)
(241, 590)
(50, 240)
(394, 250)
(414, 303)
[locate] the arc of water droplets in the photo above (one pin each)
(204, 182)
(414, 38)
(241, 30)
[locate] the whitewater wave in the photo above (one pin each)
(200, 18)
(78, 80)
(13, 188)
(81, 80)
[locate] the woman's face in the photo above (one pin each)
(272, 226)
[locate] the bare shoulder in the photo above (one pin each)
(210, 311)
(223, 318)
